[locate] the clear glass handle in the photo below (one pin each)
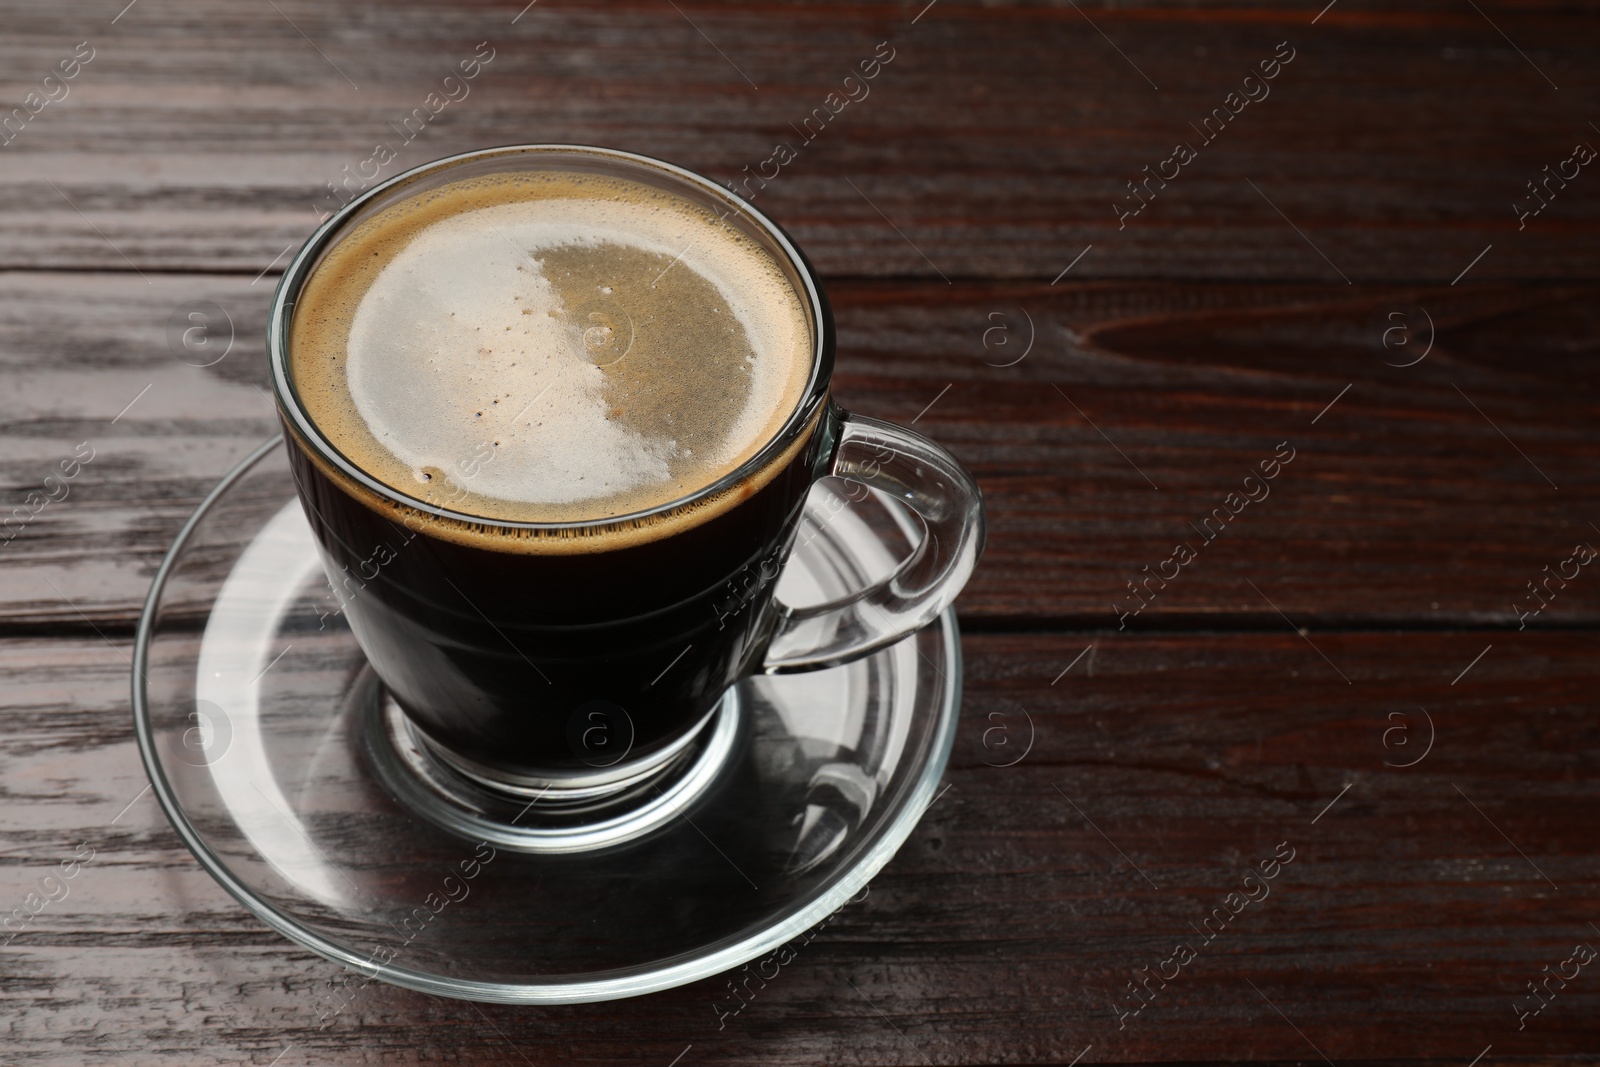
(927, 479)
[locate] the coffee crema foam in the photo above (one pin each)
(549, 347)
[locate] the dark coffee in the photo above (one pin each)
(523, 660)
(558, 360)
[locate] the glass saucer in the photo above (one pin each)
(256, 717)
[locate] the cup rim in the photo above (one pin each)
(300, 268)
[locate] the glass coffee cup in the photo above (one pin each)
(570, 648)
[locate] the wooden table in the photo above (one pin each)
(1350, 270)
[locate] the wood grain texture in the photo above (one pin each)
(1007, 925)
(1418, 499)
(996, 142)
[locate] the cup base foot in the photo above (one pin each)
(550, 820)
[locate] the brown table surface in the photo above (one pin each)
(1343, 673)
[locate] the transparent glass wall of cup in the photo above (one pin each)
(567, 673)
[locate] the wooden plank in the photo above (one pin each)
(1418, 499)
(1008, 924)
(998, 142)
